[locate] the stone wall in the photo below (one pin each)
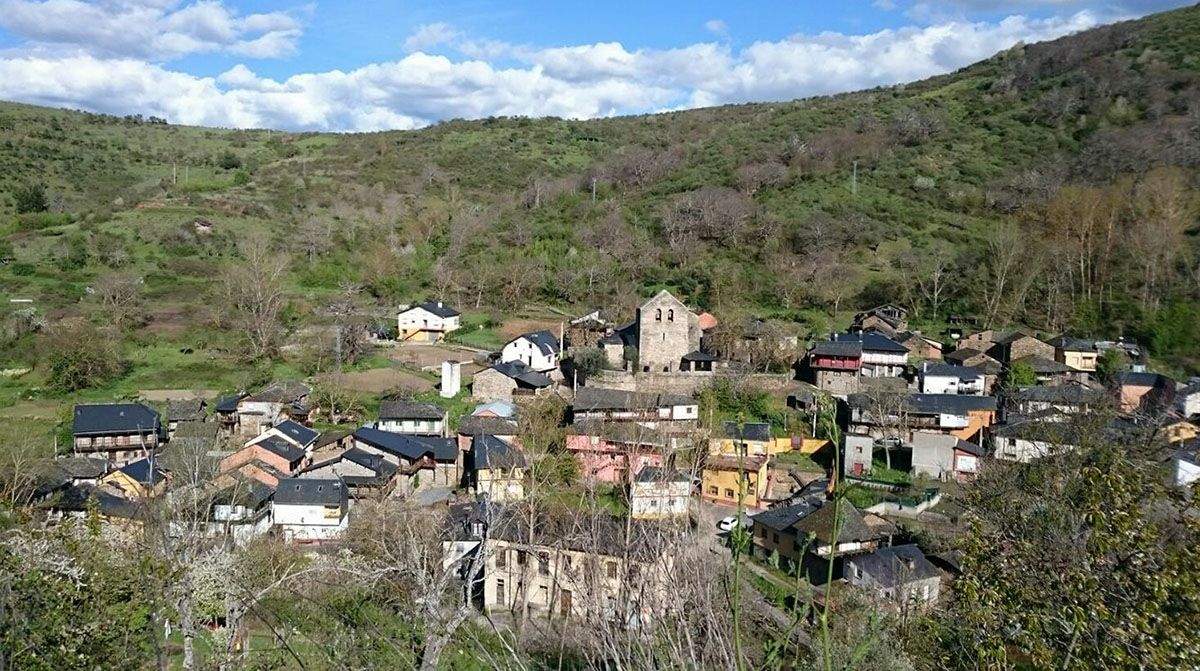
(667, 330)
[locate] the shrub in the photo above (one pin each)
(78, 356)
(30, 198)
(229, 161)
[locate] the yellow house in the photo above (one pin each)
(499, 469)
(1180, 431)
(141, 479)
(752, 439)
(726, 477)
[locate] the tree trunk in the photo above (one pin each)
(187, 625)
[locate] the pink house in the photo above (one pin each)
(614, 453)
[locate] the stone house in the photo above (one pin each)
(615, 452)
(886, 319)
(667, 331)
(1144, 392)
(278, 401)
(618, 405)
(900, 575)
(121, 432)
(508, 380)
(422, 461)
(367, 475)
(1079, 354)
(1018, 345)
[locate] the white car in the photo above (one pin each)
(727, 524)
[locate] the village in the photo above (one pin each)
(850, 482)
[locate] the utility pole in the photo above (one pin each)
(174, 173)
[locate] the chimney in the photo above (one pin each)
(439, 304)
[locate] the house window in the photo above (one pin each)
(502, 559)
(521, 557)
(564, 602)
(670, 315)
(728, 493)
(658, 315)
(775, 537)
(544, 595)
(543, 563)
(500, 596)
(713, 490)
(610, 569)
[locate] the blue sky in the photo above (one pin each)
(351, 65)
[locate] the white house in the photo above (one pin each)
(241, 511)
(539, 351)
(881, 356)
(899, 575)
(310, 510)
(280, 400)
(1187, 399)
(618, 405)
(659, 493)
(942, 378)
(426, 322)
(401, 416)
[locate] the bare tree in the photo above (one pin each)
(250, 295)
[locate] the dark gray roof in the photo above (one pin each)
(699, 356)
(782, 518)
(244, 491)
(1043, 366)
(491, 452)
(404, 409)
(820, 524)
(144, 471)
(81, 468)
(411, 448)
(1070, 393)
(283, 448)
(757, 431)
(600, 399)
(872, 341)
(289, 391)
(310, 492)
(435, 307)
(1069, 344)
(896, 565)
(115, 418)
(927, 404)
(937, 369)
(375, 462)
(544, 340)
(833, 348)
(186, 410)
(971, 448)
(297, 432)
(229, 403)
(661, 474)
(206, 430)
(498, 426)
(1141, 379)
(518, 371)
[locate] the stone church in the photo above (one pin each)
(667, 332)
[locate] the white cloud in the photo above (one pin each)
(572, 81)
(155, 30)
(716, 26)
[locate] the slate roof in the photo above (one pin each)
(404, 409)
(928, 404)
(518, 371)
(145, 472)
(599, 399)
(834, 348)
(491, 452)
(961, 354)
(782, 518)
(896, 565)
(600, 534)
(630, 433)
(297, 432)
(545, 341)
(661, 474)
(699, 356)
(756, 431)
(872, 341)
(1043, 366)
(76, 498)
(411, 448)
(81, 468)
(434, 307)
(310, 492)
(937, 369)
(288, 391)
(971, 448)
(1071, 393)
(820, 524)
(228, 404)
(205, 430)
(281, 447)
(185, 411)
(1069, 344)
(1140, 379)
(245, 492)
(115, 418)
(498, 426)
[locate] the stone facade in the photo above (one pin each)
(667, 330)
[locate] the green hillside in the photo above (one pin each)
(1052, 185)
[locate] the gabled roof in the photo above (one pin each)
(81, 468)
(227, 404)
(783, 518)
(498, 426)
(1141, 379)
(1069, 344)
(371, 460)
(820, 524)
(896, 565)
(276, 445)
(1043, 366)
(288, 391)
(491, 452)
(835, 348)
(434, 307)
(301, 434)
(186, 410)
(601, 399)
(661, 474)
(497, 408)
(545, 341)
(517, 370)
(145, 472)
(872, 341)
(937, 369)
(205, 430)
(109, 418)
(411, 448)
(310, 492)
(404, 409)
(1013, 337)
(1069, 393)
(757, 431)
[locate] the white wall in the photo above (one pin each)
(420, 318)
(431, 427)
(309, 522)
(530, 354)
